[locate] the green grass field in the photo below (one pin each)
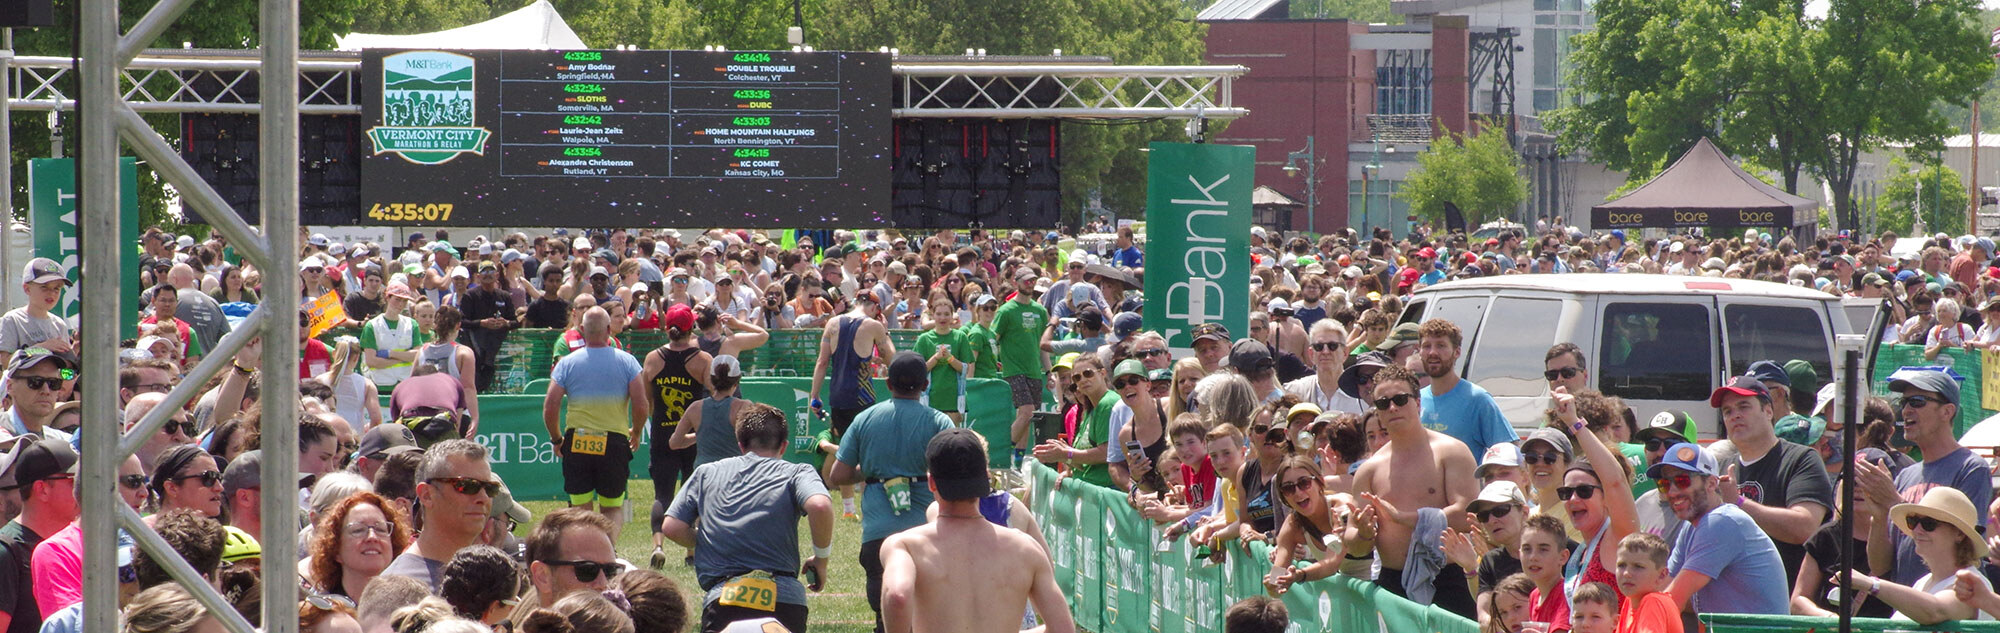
(841, 608)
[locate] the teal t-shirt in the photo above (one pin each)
(944, 379)
(888, 440)
(1635, 454)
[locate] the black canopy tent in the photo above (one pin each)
(1705, 189)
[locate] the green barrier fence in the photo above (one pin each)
(529, 353)
(1118, 580)
(1968, 364)
(1736, 623)
(511, 428)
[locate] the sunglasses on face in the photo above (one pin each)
(587, 571)
(1915, 402)
(183, 427)
(1289, 487)
(1326, 347)
(1497, 512)
(1584, 491)
(1539, 457)
(132, 482)
(208, 478)
(1564, 373)
(1923, 523)
(43, 383)
(1401, 399)
(1660, 443)
(470, 486)
(1128, 381)
(1683, 480)
(1147, 353)
(1087, 373)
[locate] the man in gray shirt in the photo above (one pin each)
(749, 506)
(197, 308)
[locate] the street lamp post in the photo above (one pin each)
(1368, 173)
(1312, 179)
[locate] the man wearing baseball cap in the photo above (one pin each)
(489, 315)
(378, 445)
(884, 450)
(1781, 485)
(36, 381)
(43, 280)
(44, 469)
(1499, 511)
(1211, 346)
(1723, 562)
(1929, 404)
(963, 542)
(1664, 430)
(1017, 332)
(389, 342)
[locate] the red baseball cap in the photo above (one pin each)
(679, 317)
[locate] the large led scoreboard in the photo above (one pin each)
(599, 138)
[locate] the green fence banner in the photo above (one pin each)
(511, 428)
(1119, 578)
(1198, 238)
(52, 216)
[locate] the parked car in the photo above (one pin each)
(1660, 342)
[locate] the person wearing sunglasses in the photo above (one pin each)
(1139, 426)
(1497, 518)
(1928, 406)
(44, 469)
(1722, 559)
(1664, 430)
(175, 432)
(37, 380)
(1943, 528)
(185, 476)
(1312, 517)
(1326, 345)
(1419, 468)
(1086, 452)
(569, 550)
(57, 564)
(455, 489)
(1564, 366)
(1782, 485)
(1596, 490)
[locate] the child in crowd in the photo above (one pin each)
(1594, 609)
(1643, 577)
(1506, 605)
(1544, 547)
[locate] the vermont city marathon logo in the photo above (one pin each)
(427, 100)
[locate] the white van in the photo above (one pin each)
(1660, 342)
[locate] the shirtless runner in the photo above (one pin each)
(924, 568)
(1429, 470)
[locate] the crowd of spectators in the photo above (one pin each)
(1332, 429)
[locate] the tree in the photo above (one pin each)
(1929, 190)
(1480, 174)
(1799, 94)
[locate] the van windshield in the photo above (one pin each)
(1656, 351)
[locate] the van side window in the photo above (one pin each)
(1464, 312)
(1509, 362)
(1412, 313)
(1655, 351)
(1780, 333)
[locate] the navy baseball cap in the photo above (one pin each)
(1770, 371)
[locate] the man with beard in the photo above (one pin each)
(1453, 405)
(1722, 562)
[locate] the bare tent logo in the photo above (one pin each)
(427, 108)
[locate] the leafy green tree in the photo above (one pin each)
(1801, 95)
(1928, 190)
(1480, 174)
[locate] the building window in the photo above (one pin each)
(1403, 82)
(1384, 206)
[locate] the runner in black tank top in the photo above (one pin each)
(673, 389)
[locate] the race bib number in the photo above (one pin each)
(587, 442)
(898, 490)
(755, 590)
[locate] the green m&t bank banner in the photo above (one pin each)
(1198, 238)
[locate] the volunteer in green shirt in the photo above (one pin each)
(1017, 333)
(1086, 453)
(940, 347)
(389, 341)
(977, 339)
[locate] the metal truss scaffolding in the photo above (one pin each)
(109, 114)
(172, 80)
